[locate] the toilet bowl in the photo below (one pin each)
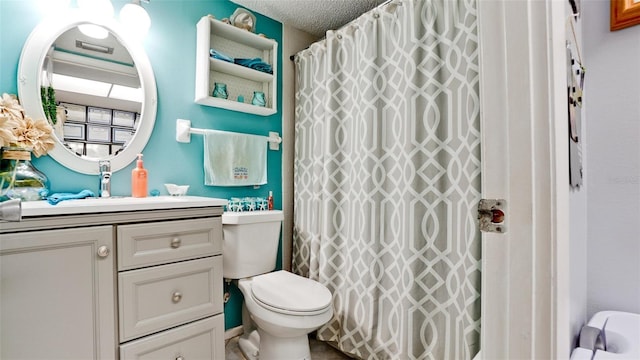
(285, 308)
(618, 337)
(280, 308)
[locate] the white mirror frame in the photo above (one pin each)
(29, 82)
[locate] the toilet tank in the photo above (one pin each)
(250, 245)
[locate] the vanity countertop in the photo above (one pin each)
(116, 204)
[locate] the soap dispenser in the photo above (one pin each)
(139, 179)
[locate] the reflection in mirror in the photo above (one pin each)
(91, 93)
(103, 92)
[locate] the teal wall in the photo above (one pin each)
(170, 46)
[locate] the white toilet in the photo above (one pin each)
(612, 335)
(280, 308)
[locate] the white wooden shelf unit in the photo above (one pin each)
(240, 80)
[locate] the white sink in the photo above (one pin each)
(114, 204)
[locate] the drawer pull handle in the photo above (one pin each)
(176, 242)
(176, 297)
(103, 251)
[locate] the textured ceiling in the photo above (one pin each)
(312, 16)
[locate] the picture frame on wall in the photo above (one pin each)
(624, 13)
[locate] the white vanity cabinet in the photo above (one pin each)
(235, 43)
(57, 294)
(143, 284)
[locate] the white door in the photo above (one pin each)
(524, 159)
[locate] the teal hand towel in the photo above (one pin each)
(53, 199)
(233, 159)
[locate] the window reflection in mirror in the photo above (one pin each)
(91, 92)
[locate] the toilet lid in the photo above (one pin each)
(282, 290)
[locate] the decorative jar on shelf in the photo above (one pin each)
(220, 91)
(19, 179)
(258, 99)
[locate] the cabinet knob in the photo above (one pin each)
(176, 242)
(103, 251)
(179, 357)
(176, 297)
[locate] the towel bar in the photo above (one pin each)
(184, 131)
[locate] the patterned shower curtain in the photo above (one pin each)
(387, 180)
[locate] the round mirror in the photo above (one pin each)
(103, 89)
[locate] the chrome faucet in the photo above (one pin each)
(105, 179)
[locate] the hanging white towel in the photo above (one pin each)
(232, 159)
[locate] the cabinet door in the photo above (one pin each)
(57, 294)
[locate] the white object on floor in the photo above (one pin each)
(249, 345)
(621, 333)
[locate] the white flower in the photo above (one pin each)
(19, 130)
(10, 106)
(6, 130)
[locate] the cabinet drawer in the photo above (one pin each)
(203, 339)
(160, 297)
(148, 244)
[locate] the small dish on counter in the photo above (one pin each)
(177, 190)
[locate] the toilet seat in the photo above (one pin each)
(620, 332)
(287, 293)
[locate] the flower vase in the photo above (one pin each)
(19, 179)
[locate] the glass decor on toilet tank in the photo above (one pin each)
(20, 137)
(247, 204)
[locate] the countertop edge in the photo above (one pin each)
(109, 205)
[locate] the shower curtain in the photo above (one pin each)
(387, 180)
